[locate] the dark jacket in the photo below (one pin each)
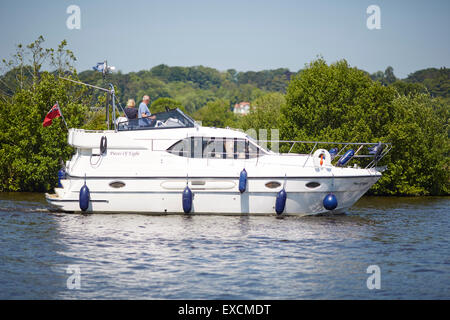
(131, 113)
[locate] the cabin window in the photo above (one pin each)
(117, 184)
(181, 148)
(273, 184)
(253, 151)
(240, 149)
(313, 185)
(215, 148)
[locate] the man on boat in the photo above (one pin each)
(144, 115)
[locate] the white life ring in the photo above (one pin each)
(324, 155)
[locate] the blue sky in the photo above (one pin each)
(245, 35)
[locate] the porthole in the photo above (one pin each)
(273, 184)
(312, 184)
(117, 184)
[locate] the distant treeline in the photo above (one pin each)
(325, 102)
(194, 86)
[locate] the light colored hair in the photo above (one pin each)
(131, 103)
(146, 97)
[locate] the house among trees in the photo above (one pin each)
(242, 108)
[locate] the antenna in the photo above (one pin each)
(104, 69)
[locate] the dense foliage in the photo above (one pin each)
(437, 81)
(419, 163)
(321, 102)
(336, 103)
(339, 103)
(30, 154)
(162, 104)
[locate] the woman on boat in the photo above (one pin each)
(130, 111)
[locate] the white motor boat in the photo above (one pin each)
(175, 166)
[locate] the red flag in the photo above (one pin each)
(52, 114)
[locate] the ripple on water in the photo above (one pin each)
(221, 257)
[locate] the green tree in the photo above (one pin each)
(161, 104)
(389, 76)
(437, 81)
(418, 163)
(406, 88)
(386, 78)
(336, 103)
(264, 113)
(339, 103)
(30, 154)
(216, 114)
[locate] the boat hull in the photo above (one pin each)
(211, 195)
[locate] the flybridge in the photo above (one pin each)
(171, 118)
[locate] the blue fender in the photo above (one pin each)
(333, 152)
(84, 197)
(61, 175)
(187, 200)
(346, 157)
(330, 202)
(280, 203)
(243, 181)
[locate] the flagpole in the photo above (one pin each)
(57, 104)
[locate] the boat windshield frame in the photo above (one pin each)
(256, 143)
(169, 119)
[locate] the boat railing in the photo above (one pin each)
(372, 150)
(238, 148)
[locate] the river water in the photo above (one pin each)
(52, 255)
